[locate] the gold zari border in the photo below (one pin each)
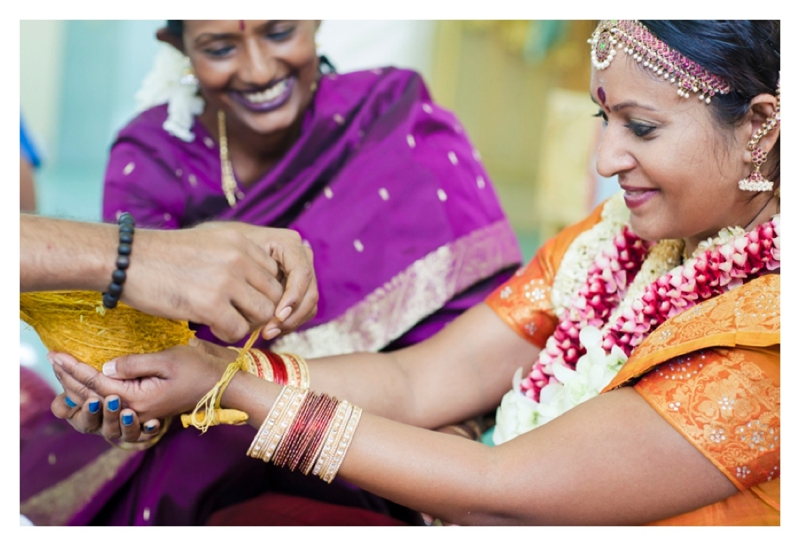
(57, 504)
(410, 296)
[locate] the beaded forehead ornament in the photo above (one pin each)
(635, 40)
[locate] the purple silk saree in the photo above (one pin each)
(407, 233)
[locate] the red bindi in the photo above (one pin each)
(241, 25)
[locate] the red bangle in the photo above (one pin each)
(288, 448)
(314, 435)
(278, 368)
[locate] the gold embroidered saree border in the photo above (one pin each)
(58, 503)
(410, 296)
(748, 316)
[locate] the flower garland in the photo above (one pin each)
(170, 82)
(628, 293)
(575, 264)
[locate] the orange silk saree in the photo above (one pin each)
(712, 372)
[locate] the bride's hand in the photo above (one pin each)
(153, 385)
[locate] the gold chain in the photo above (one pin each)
(228, 180)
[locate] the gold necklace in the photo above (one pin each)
(229, 186)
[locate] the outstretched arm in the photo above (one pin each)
(461, 372)
(610, 460)
(230, 276)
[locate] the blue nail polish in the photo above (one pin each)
(149, 428)
(113, 405)
(127, 420)
(69, 402)
(94, 406)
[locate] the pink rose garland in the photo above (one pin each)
(711, 273)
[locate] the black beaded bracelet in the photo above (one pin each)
(111, 296)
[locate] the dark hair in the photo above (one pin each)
(175, 28)
(746, 54)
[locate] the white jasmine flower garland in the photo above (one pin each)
(171, 82)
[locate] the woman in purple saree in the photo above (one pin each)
(406, 229)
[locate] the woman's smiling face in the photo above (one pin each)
(260, 73)
(678, 168)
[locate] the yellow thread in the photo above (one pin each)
(204, 414)
(76, 322)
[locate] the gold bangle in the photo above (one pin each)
(343, 445)
(262, 362)
(277, 433)
(269, 427)
(249, 362)
(257, 445)
(299, 370)
(251, 365)
(337, 425)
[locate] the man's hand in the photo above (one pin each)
(231, 276)
(295, 261)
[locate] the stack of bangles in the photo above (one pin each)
(308, 431)
(280, 368)
(303, 430)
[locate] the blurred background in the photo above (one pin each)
(520, 88)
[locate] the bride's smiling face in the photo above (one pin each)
(259, 72)
(679, 169)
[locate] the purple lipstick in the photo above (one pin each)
(268, 99)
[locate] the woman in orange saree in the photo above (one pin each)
(692, 370)
(643, 342)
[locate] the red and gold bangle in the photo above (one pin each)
(275, 430)
(292, 369)
(250, 363)
(262, 364)
(280, 368)
(294, 434)
(301, 439)
(315, 434)
(286, 421)
(299, 370)
(308, 431)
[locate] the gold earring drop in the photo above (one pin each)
(756, 181)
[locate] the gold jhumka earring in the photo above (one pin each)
(756, 181)
(229, 186)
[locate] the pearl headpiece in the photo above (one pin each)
(636, 40)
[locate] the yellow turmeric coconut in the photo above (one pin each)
(76, 322)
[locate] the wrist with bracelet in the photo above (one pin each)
(126, 227)
(306, 431)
